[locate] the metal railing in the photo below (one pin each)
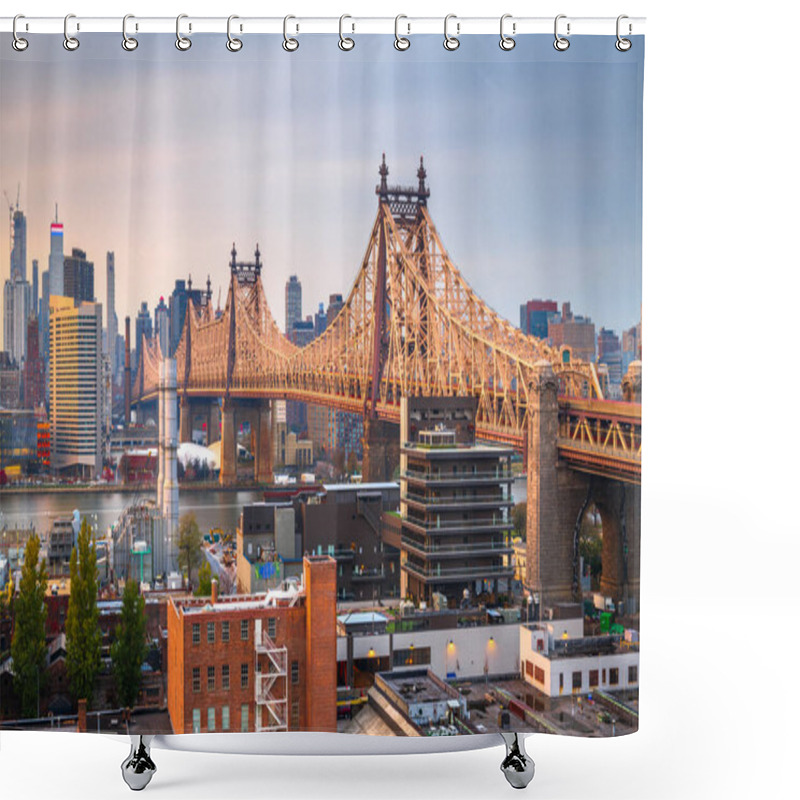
(499, 548)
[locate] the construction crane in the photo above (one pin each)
(11, 218)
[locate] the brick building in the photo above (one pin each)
(256, 662)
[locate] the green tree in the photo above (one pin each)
(520, 519)
(83, 618)
(590, 546)
(190, 542)
(129, 648)
(203, 581)
(28, 644)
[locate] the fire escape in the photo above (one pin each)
(271, 684)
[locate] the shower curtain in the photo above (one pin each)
(321, 384)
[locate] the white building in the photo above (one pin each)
(558, 660)
(76, 386)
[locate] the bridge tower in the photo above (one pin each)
(559, 495)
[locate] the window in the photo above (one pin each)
(604, 676)
(211, 631)
(613, 676)
(245, 627)
(295, 672)
(245, 718)
(295, 715)
(272, 627)
(539, 675)
(245, 675)
(226, 630)
(195, 679)
(560, 682)
(633, 674)
(196, 720)
(226, 677)
(529, 668)
(212, 720)
(577, 681)
(212, 678)
(593, 677)
(195, 633)
(226, 718)
(412, 656)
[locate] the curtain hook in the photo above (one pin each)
(289, 44)
(181, 42)
(560, 43)
(18, 43)
(400, 42)
(129, 43)
(507, 42)
(345, 42)
(623, 45)
(233, 44)
(70, 42)
(451, 42)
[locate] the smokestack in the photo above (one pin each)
(161, 437)
(214, 591)
(168, 438)
(127, 377)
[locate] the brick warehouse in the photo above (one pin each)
(262, 662)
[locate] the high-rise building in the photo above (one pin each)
(610, 354)
(78, 277)
(161, 326)
(19, 251)
(144, 330)
(294, 304)
(55, 262)
(33, 372)
(16, 310)
(35, 286)
(335, 304)
(631, 346)
(10, 382)
(178, 302)
(111, 316)
(576, 332)
(535, 315)
(76, 387)
(455, 501)
(44, 316)
(303, 332)
(320, 321)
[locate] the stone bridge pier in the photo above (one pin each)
(558, 499)
(197, 415)
(259, 415)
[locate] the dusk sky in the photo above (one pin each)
(166, 158)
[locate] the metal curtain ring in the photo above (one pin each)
(450, 42)
(129, 43)
(70, 42)
(507, 42)
(345, 42)
(561, 44)
(400, 42)
(18, 43)
(623, 45)
(289, 44)
(181, 42)
(233, 44)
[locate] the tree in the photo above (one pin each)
(129, 648)
(520, 517)
(190, 542)
(28, 648)
(203, 580)
(352, 462)
(83, 618)
(338, 460)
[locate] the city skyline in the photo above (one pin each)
(306, 193)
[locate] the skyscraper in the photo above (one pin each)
(178, 301)
(19, 252)
(44, 316)
(76, 386)
(294, 304)
(55, 263)
(335, 304)
(161, 325)
(111, 316)
(35, 286)
(144, 330)
(78, 277)
(16, 310)
(33, 373)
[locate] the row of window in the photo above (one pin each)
(225, 718)
(225, 676)
(612, 675)
(225, 633)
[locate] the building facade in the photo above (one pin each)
(535, 316)
(78, 277)
(455, 503)
(576, 332)
(294, 304)
(256, 662)
(76, 387)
